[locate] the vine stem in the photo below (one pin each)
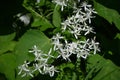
(83, 66)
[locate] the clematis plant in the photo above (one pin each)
(78, 26)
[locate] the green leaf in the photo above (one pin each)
(28, 40)
(101, 69)
(117, 36)
(41, 23)
(6, 43)
(39, 20)
(108, 72)
(7, 46)
(36, 22)
(7, 66)
(94, 64)
(9, 37)
(41, 3)
(94, 59)
(56, 17)
(111, 15)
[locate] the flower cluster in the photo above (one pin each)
(40, 64)
(64, 3)
(61, 3)
(81, 48)
(77, 25)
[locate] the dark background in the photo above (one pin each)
(8, 8)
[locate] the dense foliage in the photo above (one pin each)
(60, 40)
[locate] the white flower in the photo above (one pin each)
(62, 3)
(83, 54)
(57, 37)
(38, 1)
(48, 55)
(24, 18)
(56, 41)
(68, 49)
(25, 69)
(57, 45)
(91, 10)
(71, 47)
(35, 51)
(85, 5)
(76, 31)
(64, 54)
(65, 24)
(51, 70)
(94, 46)
(84, 44)
(88, 17)
(87, 29)
(27, 73)
(78, 0)
(79, 17)
(38, 67)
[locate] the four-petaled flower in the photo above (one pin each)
(61, 3)
(25, 69)
(51, 70)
